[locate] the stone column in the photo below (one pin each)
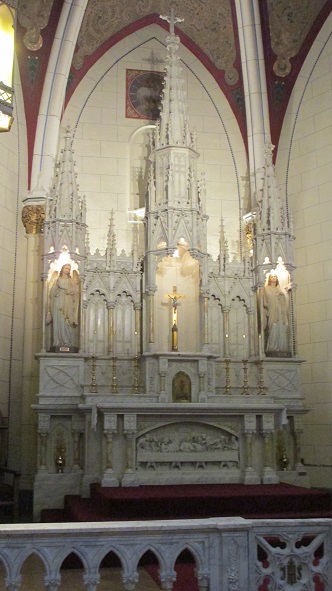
(203, 582)
(91, 582)
(150, 311)
(82, 320)
(77, 429)
(137, 308)
(84, 329)
(260, 312)
(44, 312)
(298, 430)
(34, 341)
(250, 476)
(163, 369)
(269, 474)
(14, 585)
(43, 433)
(202, 371)
(130, 582)
(110, 307)
(226, 331)
(130, 450)
(254, 82)
(129, 429)
(52, 584)
(251, 333)
(167, 581)
(110, 427)
(205, 323)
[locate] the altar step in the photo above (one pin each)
(279, 501)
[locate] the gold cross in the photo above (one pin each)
(175, 296)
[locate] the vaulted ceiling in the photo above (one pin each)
(209, 29)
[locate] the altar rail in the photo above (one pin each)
(231, 554)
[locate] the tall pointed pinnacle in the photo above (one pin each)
(65, 226)
(272, 214)
(174, 128)
(111, 243)
(64, 199)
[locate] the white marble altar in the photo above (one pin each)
(158, 390)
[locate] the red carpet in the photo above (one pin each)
(193, 501)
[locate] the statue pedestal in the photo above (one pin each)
(269, 476)
(251, 476)
(109, 479)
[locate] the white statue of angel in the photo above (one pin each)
(63, 308)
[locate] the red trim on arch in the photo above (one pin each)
(218, 75)
(32, 88)
(277, 109)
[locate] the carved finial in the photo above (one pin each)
(172, 20)
(110, 230)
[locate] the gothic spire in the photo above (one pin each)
(65, 225)
(174, 128)
(64, 199)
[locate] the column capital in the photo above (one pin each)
(33, 217)
(130, 424)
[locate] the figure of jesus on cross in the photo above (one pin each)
(175, 296)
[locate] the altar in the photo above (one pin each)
(161, 364)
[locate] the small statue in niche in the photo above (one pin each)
(275, 302)
(181, 387)
(63, 310)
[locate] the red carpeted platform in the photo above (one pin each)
(193, 501)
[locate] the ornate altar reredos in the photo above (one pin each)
(163, 365)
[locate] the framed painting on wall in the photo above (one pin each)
(143, 94)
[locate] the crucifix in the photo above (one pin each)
(175, 296)
(172, 20)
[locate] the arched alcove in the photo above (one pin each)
(216, 326)
(178, 274)
(110, 571)
(238, 329)
(124, 324)
(148, 569)
(96, 333)
(33, 572)
(71, 572)
(185, 567)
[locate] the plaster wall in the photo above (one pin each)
(13, 186)
(305, 169)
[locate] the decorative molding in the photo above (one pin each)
(34, 16)
(290, 22)
(208, 25)
(33, 218)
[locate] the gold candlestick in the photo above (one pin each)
(262, 387)
(114, 384)
(136, 375)
(60, 458)
(227, 383)
(93, 387)
(245, 389)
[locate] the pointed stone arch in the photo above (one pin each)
(238, 328)
(124, 323)
(96, 323)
